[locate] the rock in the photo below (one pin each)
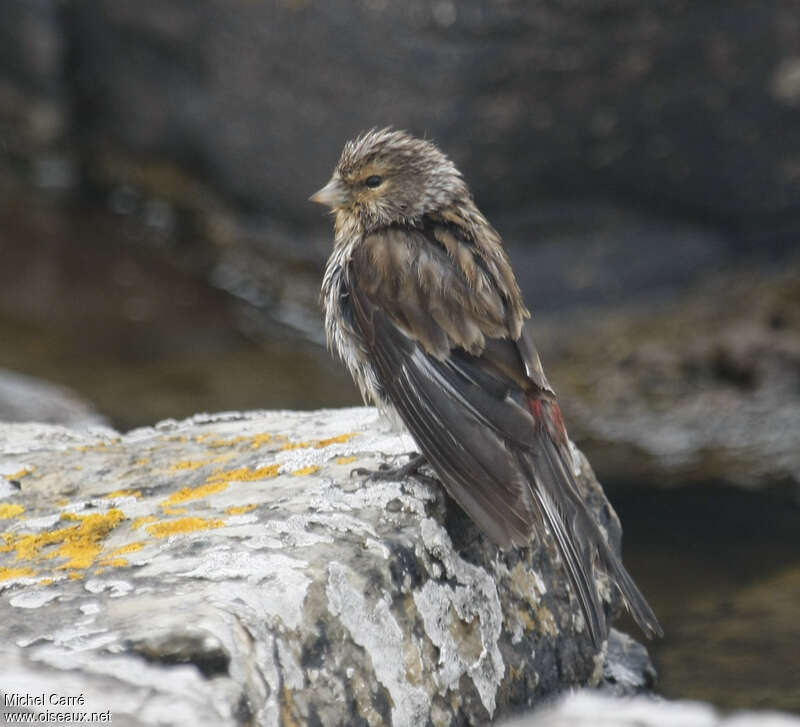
(33, 102)
(662, 104)
(227, 570)
(589, 709)
(27, 399)
(703, 388)
(532, 99)
(627, 669)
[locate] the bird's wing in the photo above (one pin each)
(437, 328)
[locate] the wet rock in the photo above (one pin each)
(589, 709)
(27, 399)
(627, 669)
(227, 569)
(701, 388)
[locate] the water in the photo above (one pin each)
(721, 568)
(125, 317)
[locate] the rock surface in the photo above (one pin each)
(698, 390)
(228, 570)
(25, 398)
(589, 709)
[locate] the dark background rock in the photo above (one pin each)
(34, 99)
(671, 105)
(686, 108)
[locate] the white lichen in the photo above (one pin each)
(373, 627)
(473, 599)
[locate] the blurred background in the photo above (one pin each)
(159, 257)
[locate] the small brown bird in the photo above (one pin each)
(424, 309)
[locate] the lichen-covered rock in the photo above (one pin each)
(229, 570)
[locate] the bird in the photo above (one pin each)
(422, 306)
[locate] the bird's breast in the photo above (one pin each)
(342, 333)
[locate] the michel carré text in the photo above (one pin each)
(17, 699)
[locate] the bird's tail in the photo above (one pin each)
(580, 542)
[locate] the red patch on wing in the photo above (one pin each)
(548, 414)
(557, 420)
(536, 409)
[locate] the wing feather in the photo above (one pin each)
(440, 333)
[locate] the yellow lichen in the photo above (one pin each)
(113, 558)
(227, 442)
(320, 443)
(9, 573)
(82, 543)
(99, 447)
(143, 521)
(9, 539)
(8, 511)
(310, 470)
(240, 509)
(185, 525)
(173, 510)
(123, 493)
(244, 474)
(142, 461)
(345, 460)
(129, 548)
(195, 493)
(46, 582)
(256, 441)
(259, 440)
(79, 544)
(188, 464)
(75, 576)
(115, 562)
(341, 439)
(298, 445)
(24, 472)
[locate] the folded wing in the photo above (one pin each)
(440, 334)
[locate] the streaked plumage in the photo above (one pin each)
(422, 305)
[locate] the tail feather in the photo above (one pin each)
(580, 542)
(634, 599)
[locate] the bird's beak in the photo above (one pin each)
(333, 194)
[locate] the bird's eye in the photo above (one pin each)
(373, 181)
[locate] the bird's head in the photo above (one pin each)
(389, 177)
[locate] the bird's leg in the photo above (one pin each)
(385, 472)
